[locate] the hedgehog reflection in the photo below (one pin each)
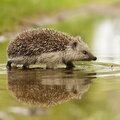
(46, 87)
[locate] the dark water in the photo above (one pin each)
(89, 92)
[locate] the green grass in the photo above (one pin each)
(99, 1)
(13, 12)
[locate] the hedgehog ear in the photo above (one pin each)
(74, 45)
(78, 38)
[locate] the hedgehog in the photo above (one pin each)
(49, 47)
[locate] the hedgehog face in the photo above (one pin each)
(80, 51)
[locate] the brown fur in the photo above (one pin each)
(38, 41)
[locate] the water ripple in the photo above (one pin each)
(102, 69)
(3, 69)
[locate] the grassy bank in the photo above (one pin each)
(13, 12)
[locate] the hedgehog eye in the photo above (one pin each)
(84, 52)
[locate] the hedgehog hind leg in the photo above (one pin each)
(8, 65)
(69, 65)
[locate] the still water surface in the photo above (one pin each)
(89, 92)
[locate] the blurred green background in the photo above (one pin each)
(14, 12)
(102, 101)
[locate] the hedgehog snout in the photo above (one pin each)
(94, 58)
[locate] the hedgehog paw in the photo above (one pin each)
(69, 65)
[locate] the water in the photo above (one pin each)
(89, 92)
(58, 86)
(107, 40)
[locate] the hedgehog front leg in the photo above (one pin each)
(69, 65)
